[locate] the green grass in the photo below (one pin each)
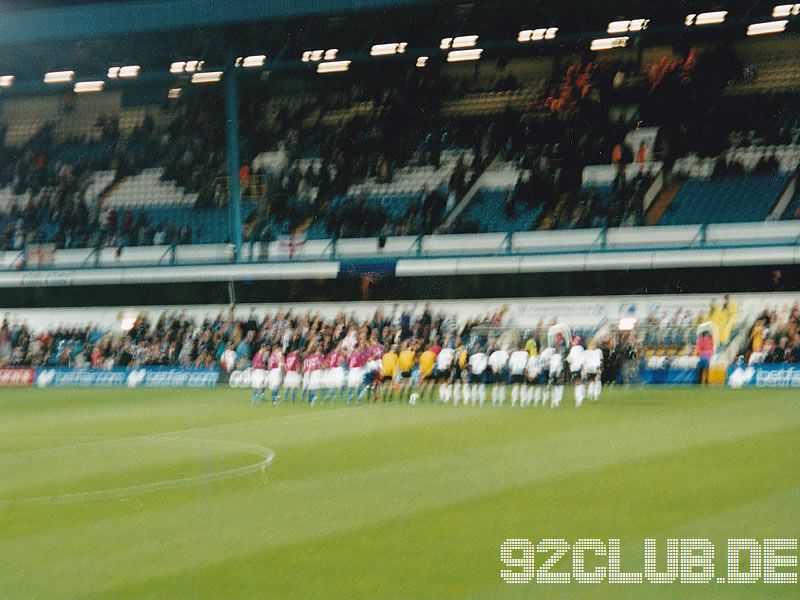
(383, 501)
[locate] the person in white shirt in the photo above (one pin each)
(556, 384)
(575, 361)
(497, 363)
(592, 368)
(228, 360)
(534, 389)
(478, 362)
(517, 363)
(444, 364)
(544, 373)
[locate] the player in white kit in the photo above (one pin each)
(592, 370)
(533, 390)
(497, 363)
(517, 363)
(478, 362)
(444, 365)
(575, 362)
(544, 373)
(556, 383)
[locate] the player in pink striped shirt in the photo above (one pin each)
(334, 378)
(292, 379)
(312, 373)
(258, 377)
(275, 371)
(356, 361)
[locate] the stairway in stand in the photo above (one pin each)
(663, 200)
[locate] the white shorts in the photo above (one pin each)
(274, 379)
(291, 380)
(258, 378)
(314, 380)
(355, 377)
(336, 378)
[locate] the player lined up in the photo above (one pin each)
(450, 373)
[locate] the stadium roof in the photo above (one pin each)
(91, 36)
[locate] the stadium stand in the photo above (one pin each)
(349, 163)
(729, 200)
(497, 210)
(793, 210)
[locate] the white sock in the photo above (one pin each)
(558, 394)
(501, 394)
(598, 386)
(524, 395)
(482, 392)
(514, 394)
(442, 395)
(465, 393)
(537, 395)
(579, 393)
(546, 395)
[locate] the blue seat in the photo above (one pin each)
(488, 210)
(791, 210)
(731, 200)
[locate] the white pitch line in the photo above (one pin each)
(266, 454)
(284, 418)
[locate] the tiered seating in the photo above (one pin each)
(788, 158)
(208, 226)
(24, 117)
(604, 193)
(488, 211)
(492, 102)
(793, 209)
(9, 199)
(333, 118)
(100, 181)
(730, 200)
(768, 74)
(147, 189)
(415, 179)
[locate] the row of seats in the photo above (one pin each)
(100, 181)
(148, 189)
(415, 179)
(333, 118)
(793, 210)
(769, 75)
(21, 129)
(488, 210)
(730, 200)
(208, 226)
(394, 206)
(492, 102)
(788, 158)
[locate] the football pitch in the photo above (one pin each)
(195, 494)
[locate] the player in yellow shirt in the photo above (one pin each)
(405, 364)
(388, 369)
(427, 360)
